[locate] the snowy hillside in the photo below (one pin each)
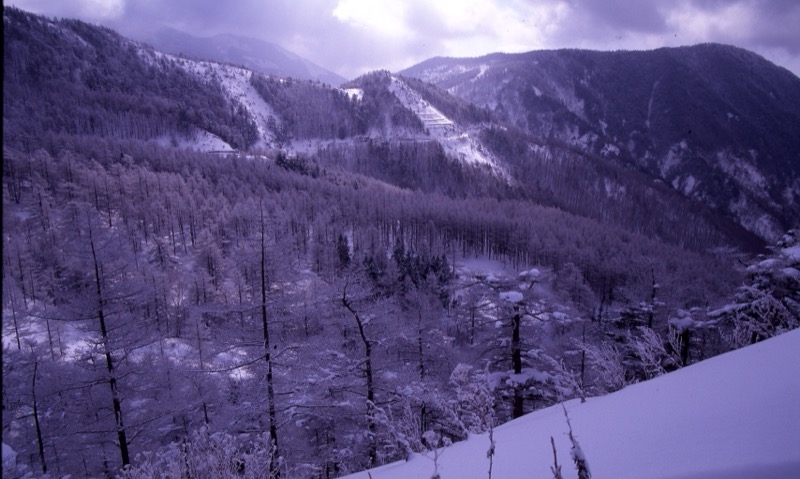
(732, 416)
(455, 140)
(235, 83)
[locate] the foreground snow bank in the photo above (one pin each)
(733, 416)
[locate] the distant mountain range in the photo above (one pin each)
(252, 53)
(696, 146)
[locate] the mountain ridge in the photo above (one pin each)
(252, 53)
(617, 156)
(711, 120)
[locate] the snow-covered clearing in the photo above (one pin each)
(201, 141)
(793, 252)
(63, 338)
(235, 82)
(483, 266)
(733, 416)
(457, 142)
(356, 93)
(432, 118)
(442, 72)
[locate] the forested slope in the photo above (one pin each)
(68, 77)
(713, 122)
(174, 242)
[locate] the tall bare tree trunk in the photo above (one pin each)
(371, 426)
(39, 440)
(274, 466)
(516, 361)
(112, 378)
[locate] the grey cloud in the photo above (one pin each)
(207, 17)
(308, 28)
(774, 23)
(304, 27)
(627, 15)
(777, 25)
(607, 25)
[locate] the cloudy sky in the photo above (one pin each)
(351, 37)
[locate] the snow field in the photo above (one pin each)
(734, 416)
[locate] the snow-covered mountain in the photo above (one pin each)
(713, 122)
(734, 416)
(493, 126)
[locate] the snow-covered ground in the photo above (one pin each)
(235, 82)
(201, 141)
(356, 93)
(734, 416)
(64, 338)
(456, 142)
